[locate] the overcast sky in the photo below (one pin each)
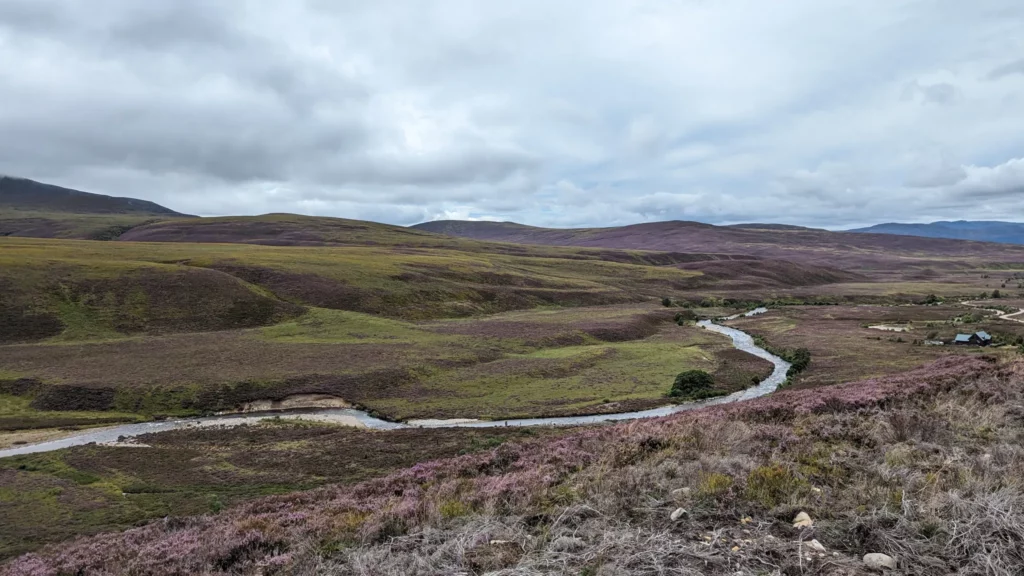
(548, 112)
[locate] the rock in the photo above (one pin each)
(802, 520)
(879, 561)
(816, 546)
(678, 514)
(567, 544)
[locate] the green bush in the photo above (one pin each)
(685, 316)
(800, 358)
(692, 384)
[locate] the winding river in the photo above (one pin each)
(117, 434)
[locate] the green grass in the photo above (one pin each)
(322, 325)
(69, 226)
(54, 496)
(97, 288)
(16, 413)
(565, 380)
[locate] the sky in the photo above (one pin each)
(546, 112)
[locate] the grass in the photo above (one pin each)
(16, 413)
(923, 467)
(585, 378)
(89, 289)
(844, 349)
(550, 361)
(69, 226)
(322, 326)
(53, 496)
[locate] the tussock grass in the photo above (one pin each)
(598, 501)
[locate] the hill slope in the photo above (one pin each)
(843, 249)
(983, 231)
(602, 501)
(24, 194)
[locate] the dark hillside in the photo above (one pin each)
(29, 195)
(865, 252)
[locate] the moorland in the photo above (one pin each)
(892, 443)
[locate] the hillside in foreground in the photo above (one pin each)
(922, 468)
(846, 250)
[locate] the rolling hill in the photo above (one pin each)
(35, 210)
(862, 252)
(29, 195)
(984, 231)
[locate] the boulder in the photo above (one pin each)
(802, 520)
(879, 561)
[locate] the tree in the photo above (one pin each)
(996, 294)
(800, 359)
(682, 318)
(666, 301)
(692, 384)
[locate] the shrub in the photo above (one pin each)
(685, 316)
(714, 485)
(800, 359)
(774, 485)
(666, 302)
(996, 294)
(692, 383)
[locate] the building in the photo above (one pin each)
(977, 339)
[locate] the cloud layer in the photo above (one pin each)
(549, 113)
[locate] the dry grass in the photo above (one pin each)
(554, 361)
(925, 467)
(844, 349)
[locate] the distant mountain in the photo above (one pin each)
(863, 252)
(984, 231)
(29, 195)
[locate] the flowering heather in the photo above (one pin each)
(760, 458)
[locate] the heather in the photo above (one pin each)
(924, 466)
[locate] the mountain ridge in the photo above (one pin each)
(24, 194)
(977, 230)
(850, 250)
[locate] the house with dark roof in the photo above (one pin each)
(981, 338)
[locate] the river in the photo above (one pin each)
(740, 340)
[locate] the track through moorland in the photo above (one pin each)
(352, 417)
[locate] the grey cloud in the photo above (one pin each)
(1015, 67)
(567, 113)
(941, 93)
